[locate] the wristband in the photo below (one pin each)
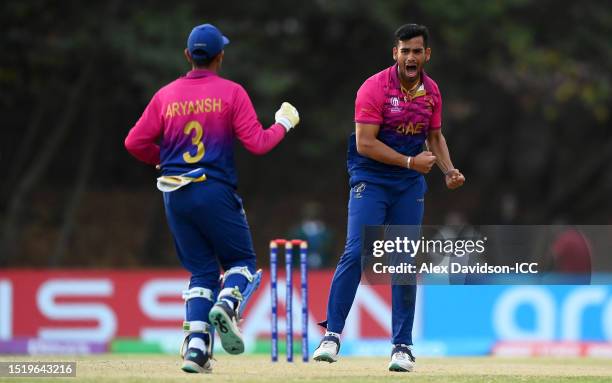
(285, 123)
(408, 162)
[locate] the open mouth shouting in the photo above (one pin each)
(411, 70)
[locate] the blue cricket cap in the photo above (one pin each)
(206, 41)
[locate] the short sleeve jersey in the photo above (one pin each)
(404, 123)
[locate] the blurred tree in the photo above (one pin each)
(527, 100)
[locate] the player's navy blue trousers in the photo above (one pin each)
(210, 230)
(373, 204)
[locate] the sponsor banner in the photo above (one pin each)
(556, 349)
(102, 305)
(517, 313)
(145, 307)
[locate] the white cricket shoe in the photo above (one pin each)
(402, 359)
(328, 350)
(196, 361)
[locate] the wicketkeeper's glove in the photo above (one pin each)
(287, 116)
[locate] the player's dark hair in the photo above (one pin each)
(205, 62)
(408, 31)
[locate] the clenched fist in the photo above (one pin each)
(423, 162)
(454, 179)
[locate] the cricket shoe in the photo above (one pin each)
(328, 350)
(196, 361)
(223, 317)
(402, 359)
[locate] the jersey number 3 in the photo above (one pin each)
(196, 140)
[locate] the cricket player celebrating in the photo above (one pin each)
(188, 128)
(396, 111)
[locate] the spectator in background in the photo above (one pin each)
(314, 230)
(571, 252)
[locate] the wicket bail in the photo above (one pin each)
(289, 245)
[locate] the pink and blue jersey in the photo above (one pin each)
(404, 122)
(383, 194)
(191, 123)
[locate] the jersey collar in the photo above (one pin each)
(200, 73)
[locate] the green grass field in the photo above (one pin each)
(158, 368)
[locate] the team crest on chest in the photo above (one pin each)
(394, 101)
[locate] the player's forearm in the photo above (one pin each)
(378, 151)
(260, 141)
(437, 145)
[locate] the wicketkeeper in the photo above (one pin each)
(188, 129)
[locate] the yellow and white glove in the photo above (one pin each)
(287, 116)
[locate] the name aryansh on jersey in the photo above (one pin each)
(184, 108)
